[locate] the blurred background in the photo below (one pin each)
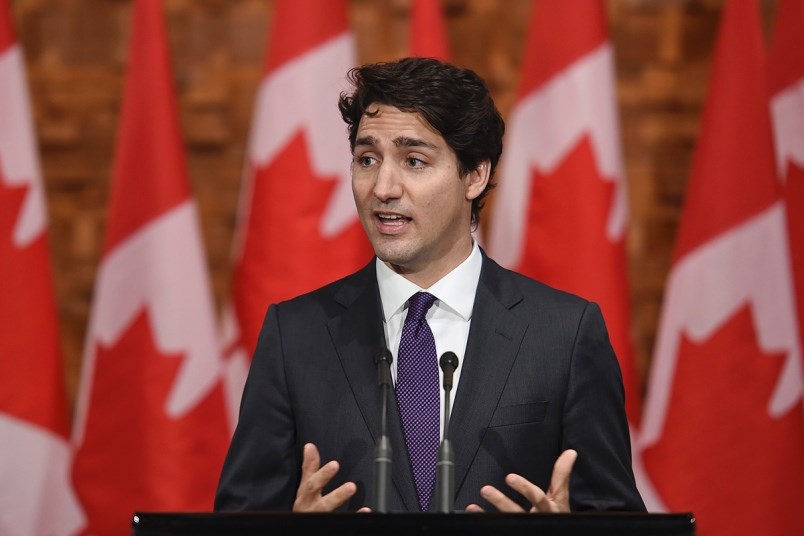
(695, 106)
(76, 54)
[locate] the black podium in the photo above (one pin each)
(253, 523)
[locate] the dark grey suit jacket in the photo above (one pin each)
(539, 376)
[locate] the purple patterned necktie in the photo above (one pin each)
(417, 394)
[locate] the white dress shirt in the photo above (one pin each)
(449, 317)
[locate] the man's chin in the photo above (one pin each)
(397, 261)
(392, 251)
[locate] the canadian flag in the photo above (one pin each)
(36, 496)
(723, 429)
(428, 37)
(786, 67)
(560, 210)
(151, 429)
(297, 227)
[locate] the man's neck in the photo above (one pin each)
(430, 274)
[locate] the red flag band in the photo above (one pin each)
(36, 496)
(151, 428)
(723, 431)
(297, 225)
(428, 37)
(560, 211)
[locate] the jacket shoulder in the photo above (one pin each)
(517, 288)
(332, 296)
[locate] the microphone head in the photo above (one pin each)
(383, 360)
(384, 355)
(448, 359)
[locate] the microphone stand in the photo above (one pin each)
(382, 452)
(445, 464)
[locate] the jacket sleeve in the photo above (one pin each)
(263, 466)
(595, 425)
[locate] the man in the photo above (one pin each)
(538, 384)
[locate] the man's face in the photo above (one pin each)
(412, 202)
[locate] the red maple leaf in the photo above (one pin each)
(133, 455)
(567, 247)
(30, 363)
(721, 454)
(284, 253)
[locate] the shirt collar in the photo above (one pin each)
(455, 291)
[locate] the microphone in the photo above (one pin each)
(445, 465)
(382, 452)
(448, 363)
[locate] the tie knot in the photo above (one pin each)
(419, 304)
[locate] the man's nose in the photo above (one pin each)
(388, 184)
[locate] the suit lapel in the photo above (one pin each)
(358, 335)
(494, 340)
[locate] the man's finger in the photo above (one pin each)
(500, 501)
(311, 460)
(474, 508)
(559, 482)
(533, 493)
(314, 477)
(315, 482)
(336, 497)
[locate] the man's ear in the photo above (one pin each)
(477, 179)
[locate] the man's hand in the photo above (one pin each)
(313, 479)
(555, 500)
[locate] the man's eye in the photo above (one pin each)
(415, 162)
(365, 161)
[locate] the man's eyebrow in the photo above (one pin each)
(401, 141)
(405, 141)
(366, 140)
